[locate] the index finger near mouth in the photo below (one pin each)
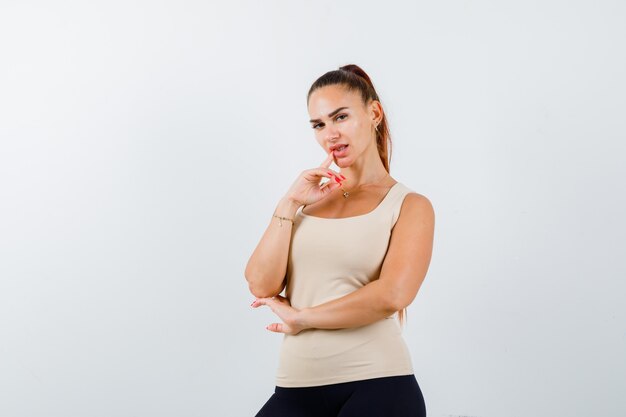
(329, 160)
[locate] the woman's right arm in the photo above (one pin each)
(267, 267)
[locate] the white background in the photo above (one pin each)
(145, 145)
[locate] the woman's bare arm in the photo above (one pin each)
(267, 267)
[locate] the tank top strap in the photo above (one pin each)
(393, 202)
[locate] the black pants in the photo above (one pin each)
(392, 396)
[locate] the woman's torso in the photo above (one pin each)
(330, 258)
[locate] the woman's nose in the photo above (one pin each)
(332, 134)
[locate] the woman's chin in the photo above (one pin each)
(342, 162)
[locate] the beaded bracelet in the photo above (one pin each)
(280, 220)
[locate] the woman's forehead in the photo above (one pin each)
(322, 103)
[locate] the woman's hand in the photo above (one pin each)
(283, 309)
(306, 189)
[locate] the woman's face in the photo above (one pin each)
(338, 117)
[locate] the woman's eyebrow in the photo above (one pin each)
(331, 114)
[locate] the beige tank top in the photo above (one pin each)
(330, 258)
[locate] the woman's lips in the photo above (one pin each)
(341, 153)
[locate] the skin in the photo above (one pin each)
(410, 247)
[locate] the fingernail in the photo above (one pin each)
(337, 179)
(342, 176)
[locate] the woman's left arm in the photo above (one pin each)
(402, 274)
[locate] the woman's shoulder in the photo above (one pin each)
(413, 203)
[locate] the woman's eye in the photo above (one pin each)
(341, 115)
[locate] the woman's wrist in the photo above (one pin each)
(286, 207)
(302, 319)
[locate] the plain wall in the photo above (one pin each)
(145, 145)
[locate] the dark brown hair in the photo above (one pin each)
(353, 78)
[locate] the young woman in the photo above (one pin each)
(351, 249)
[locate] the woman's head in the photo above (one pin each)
(360, 121)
